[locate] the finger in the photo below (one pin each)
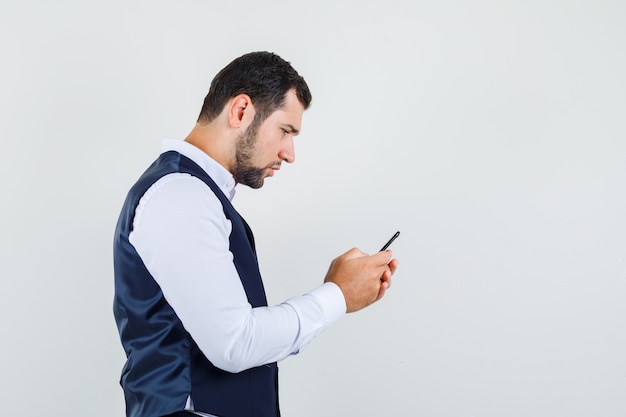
(386, 277)
(382, 289)
(382, 258)
(393, 265)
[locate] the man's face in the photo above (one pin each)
(262, 148)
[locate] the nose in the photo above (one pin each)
(287, 152)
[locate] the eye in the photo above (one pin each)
(285, 132)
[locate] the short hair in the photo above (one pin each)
(263, 76)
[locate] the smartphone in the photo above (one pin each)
(390, 241)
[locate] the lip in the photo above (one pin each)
(273, 168)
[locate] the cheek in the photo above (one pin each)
(269, 146)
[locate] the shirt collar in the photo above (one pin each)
(222, 177)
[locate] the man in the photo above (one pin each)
(189, 301)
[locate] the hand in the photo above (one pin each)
(362, 278)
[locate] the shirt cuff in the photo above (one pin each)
(331, 300)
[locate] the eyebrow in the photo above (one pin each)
(292, 129)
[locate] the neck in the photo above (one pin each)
(212, 141)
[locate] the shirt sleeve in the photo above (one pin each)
(182, 236)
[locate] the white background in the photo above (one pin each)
(491, 133)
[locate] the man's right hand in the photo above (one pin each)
(362, 278)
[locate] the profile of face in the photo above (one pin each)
(263, 146)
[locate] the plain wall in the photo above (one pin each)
(492, 134)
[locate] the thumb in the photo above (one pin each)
(383, 258)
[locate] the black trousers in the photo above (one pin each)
(181, 414)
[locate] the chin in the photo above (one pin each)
(257, 184)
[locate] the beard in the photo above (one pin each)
(244, 170)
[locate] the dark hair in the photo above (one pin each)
(264, 76)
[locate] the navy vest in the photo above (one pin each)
(164, 364)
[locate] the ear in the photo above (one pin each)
(240, 110)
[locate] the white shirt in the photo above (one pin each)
(182, 235)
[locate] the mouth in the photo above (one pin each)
(272, 167)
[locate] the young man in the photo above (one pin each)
(189, 300)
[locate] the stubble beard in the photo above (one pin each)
(244, 170)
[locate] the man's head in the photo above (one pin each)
(268, 87)
(263, 76)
